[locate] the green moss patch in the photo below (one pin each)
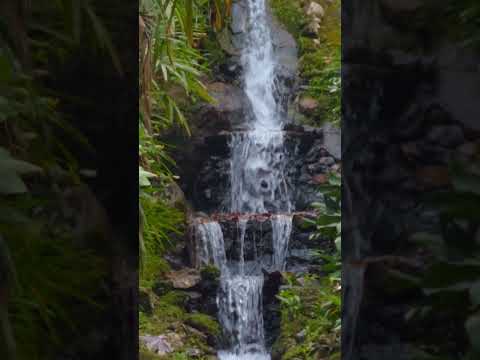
(204, 323)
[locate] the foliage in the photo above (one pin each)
(329, 220)
(322, 68)
(312, 307)
(451, 281)
(290, 14)
(170, 69)
(311, 315)
(49, 277)
(320, 56)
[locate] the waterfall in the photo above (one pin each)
(258, 185)
(281, 230)
(210, 244)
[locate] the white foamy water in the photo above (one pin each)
(210, 244)
(281, 231)
(258, 183)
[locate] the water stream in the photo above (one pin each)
(258, 185)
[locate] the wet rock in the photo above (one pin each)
(239, 19)
(332, 140)
(194, 301)
(184, 279)
(226, 113)
(227, 41)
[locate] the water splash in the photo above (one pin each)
(258, 182)
(241, 313)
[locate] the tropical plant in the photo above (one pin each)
(40, 299)
(171, 66)
(328, 223)
(451, 281)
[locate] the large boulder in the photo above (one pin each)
(227, 112)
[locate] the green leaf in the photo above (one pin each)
(11, 183)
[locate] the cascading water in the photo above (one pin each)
(210, 244)
(258, 185)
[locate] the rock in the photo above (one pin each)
(312, 27)
(227, 113)
(239, 19)
(448, 136)
(315, 10)
(175, 196)
(193, 353)
(332, 140)
(184, 279)
(327, 160)
(162, 287)
(157, 344)
(194, 301)
(301, 335)
(307, 105)
(226, 43)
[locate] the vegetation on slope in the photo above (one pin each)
(320, 55)
(48, 281)
(172, 65)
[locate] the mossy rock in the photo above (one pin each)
(210, 273)
(162, 287)
(204, 323)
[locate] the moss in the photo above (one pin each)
(290, 14)
(144, 354)
(204, 323)
(154, 267)
(210, 273)
(167, 309)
